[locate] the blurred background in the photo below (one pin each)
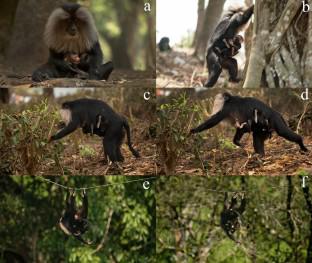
(275, 227)
(187, 17)
(189, 26)
(127, 33)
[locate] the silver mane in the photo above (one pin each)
(56, 38)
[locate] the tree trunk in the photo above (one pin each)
(7, 14)
(120, 54)
(281, 54)
(4, 95)
(123, 46)
(307, 197)
(26, 49)
(200, 20)
(212, 16)
(256, 61)
(150, 56)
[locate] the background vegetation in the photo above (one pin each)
(276, 226)
(27, 124)
(30, 209)
(212, 152)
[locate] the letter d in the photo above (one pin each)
(305, 94)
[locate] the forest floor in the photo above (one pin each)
(282, 158)
(74, 163)
(178, 68)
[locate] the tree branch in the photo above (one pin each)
(102, 243)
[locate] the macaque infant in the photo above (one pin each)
(72, 58)
(230, 47)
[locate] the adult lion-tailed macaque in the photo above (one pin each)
(74, 48)
(74, 221)
(259, 118)
(226, 31)
(230, 216)
(96, 117)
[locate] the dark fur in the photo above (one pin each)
(227, 28)
(243, 108)
(85, 114)
(76, 33)
(229, 219)
(258, 124)
(230, 49)
(76, 227)
(163, 44)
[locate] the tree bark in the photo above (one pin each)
(26, 49)
(150, 56)
(4, 95)
(212, 16)
(307, 197)
(256, 61)
(200, 20)
(279, 54)
(123, 46)
(7, 14)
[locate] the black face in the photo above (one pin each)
(71, 9)
(72, 29)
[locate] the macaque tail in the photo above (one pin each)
(283, 130)
(127, 128)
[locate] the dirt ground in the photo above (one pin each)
(118, 78)
(180, 69)
(73, 163)
(282, 158)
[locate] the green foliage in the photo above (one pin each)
(86, 151)
(30, 209)
(188, 220)
(175, 119)
(119, 22)
(24, 139)
(227, 144)
(83, 255)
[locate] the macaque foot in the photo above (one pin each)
(114, 168)
(236, 80)
(193, 131)
(304, 149)
(82, 76)
(261, 155)
(208, 85)
(40, 77)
